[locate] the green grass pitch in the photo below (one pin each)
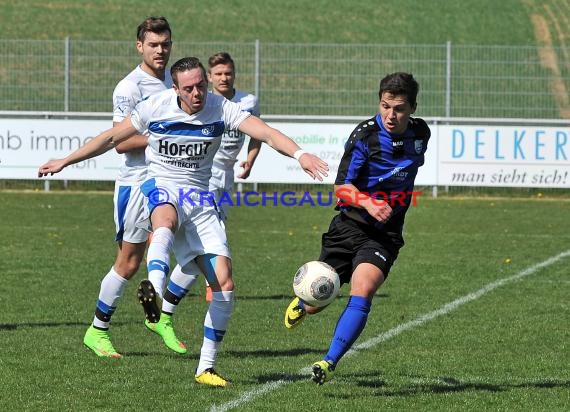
(503, 349)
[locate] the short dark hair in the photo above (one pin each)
(400, 83)
(221, 58)
(153, 25)
(185, 64)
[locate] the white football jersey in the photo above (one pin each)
(232, 140)
(134, 88)
(181, 147)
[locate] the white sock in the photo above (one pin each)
(158, 258)
(112, 287)
(215, 325)
(178, 286)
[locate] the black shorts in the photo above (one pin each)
(349, 243)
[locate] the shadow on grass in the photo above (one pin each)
(160, 354)
(286, 298)
(21, 325)
(51, 324)
(446, 385)
(262, 297)
(266, 353)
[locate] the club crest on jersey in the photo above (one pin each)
(208, 130)
(418, 145)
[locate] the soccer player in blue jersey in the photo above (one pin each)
(374, 185)
(185, 125)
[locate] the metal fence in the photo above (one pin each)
(304, 79)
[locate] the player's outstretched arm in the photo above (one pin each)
(256, 128)
(136, 142)
(95, 147)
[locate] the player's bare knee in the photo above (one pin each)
(129, 258)
(164, 216)
(365, 292)
(127, 268)
(133, 266)
(226, 284)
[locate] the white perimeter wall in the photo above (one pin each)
(462, 152)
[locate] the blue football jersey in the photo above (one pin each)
(384, 166)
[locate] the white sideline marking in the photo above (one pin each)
(445, 309)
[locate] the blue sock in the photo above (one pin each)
(348, 328)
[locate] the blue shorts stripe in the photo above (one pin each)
(123, 198)
(148, 187)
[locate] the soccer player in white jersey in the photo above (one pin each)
(149, 77)
(221, 74)
(185, 126)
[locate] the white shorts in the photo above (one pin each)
(201, 233)
(200, 230)
(129, 206)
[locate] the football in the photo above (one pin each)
(316, 283)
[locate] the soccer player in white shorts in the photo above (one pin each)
(150, 77)
(185, 126)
